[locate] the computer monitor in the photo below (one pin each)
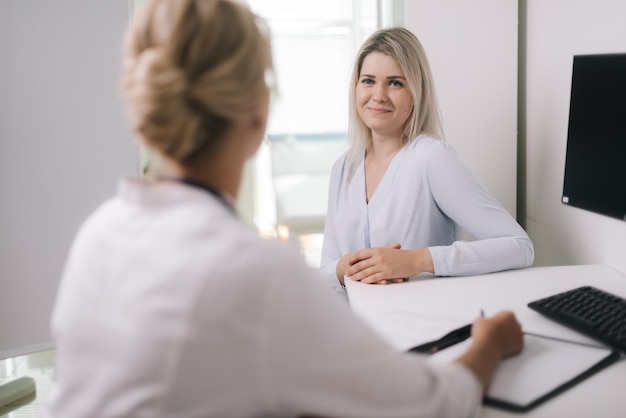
(595, 163)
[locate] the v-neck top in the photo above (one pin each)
(426, 198)
(388, 175)
(380, 194)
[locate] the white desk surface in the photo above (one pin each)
(601, 395)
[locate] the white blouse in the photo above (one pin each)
(425, 199)
(170, 306)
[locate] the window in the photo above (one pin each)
(314, 45)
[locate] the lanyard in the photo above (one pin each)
(211, 190)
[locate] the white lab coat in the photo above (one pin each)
(425, 199)
(170, 306)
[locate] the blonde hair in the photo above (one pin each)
(407, 51)
(190, 67)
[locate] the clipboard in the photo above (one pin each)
(546, 367)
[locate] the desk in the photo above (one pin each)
(602, 395)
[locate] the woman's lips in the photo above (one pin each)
(378, 110)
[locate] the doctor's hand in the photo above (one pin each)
(387, 264)
(493, 339)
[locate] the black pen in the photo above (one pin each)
(453, 337)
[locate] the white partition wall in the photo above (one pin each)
(64, 143)
(472, 48)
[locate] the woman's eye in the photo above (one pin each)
(395, 83)
(367, 81)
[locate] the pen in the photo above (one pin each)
(451, 338)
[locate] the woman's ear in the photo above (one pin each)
(261, 112)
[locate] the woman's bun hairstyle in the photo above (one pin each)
(190, 68)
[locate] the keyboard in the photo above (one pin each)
(593, 312)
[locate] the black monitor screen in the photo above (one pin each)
(595, 162)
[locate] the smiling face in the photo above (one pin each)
(383, 98)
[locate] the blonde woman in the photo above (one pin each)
(400, 198)
(170, 306)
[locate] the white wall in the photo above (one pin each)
(64, 143)
(472, 49)
(557, 30)
(4, 38)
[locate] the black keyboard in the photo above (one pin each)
(590, 311)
